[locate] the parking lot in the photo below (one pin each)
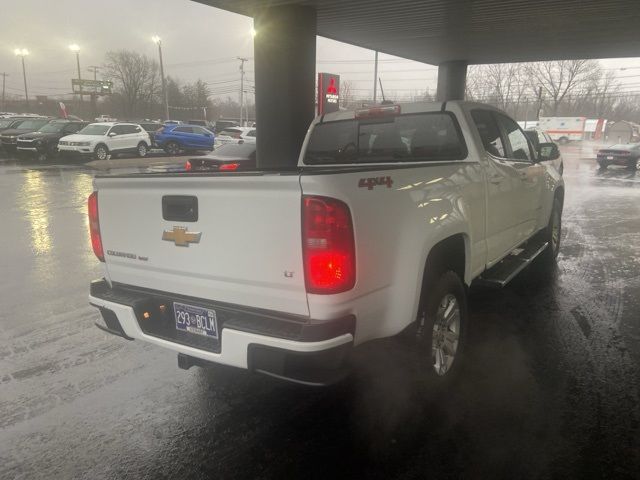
(551, 389)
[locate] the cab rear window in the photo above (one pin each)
(404, 138)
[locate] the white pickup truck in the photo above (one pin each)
(390, 215)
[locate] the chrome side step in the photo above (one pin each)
(504, 271)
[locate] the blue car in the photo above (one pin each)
(176, 138)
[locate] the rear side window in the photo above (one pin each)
(404, 138)
(183, 129)
(489, 132)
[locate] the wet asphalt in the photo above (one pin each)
(550, 390)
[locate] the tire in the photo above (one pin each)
(552, 235)
(563, 140)
(602, 165)
(441, 329)
(101, 152)
(634, 164)
(142, 150)
(172, 148)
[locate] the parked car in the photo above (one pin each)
(106, 138)
(9, 137)
(390, 215)
(151, 128)
(44, 142)
(230, 157)
(203, 123)
(236, 135)
(221, 125)
(10, 123)
(176, 138)
(105, 118)
(538, 136)
(627, 155)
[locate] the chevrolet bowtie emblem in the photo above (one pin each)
(181, 237)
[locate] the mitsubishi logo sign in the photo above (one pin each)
(328, 93)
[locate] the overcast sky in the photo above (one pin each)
(198, 42)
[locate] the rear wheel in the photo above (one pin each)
(634, 164)
(563, 140)
(142, 149)
(172, 148)
(102, 152)
(441, 329)
(603, 165)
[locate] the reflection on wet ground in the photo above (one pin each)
(550, 390)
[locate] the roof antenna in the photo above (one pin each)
(384, 100)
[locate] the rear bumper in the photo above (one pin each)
(277, 344)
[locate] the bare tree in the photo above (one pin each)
(560, 78)
(346, 93)
(136, 80)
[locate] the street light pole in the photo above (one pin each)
(165, 94)
(23, 52)
(4, 78)
(76, 49)
(242, 60)
(93, 93)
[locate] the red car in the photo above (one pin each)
(626, 155)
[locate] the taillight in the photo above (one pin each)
(328, 245)
(229, 166)
(187, 166)
(94, 226)
(160, 130)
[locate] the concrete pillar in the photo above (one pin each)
(452, 79)
(285, 66)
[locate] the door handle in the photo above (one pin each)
(496, 179)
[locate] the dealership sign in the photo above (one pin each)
(91, 87)
(328, 93)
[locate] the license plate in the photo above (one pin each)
(196, 320)
(610, 157)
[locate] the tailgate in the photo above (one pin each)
(249, 251)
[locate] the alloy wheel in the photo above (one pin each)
(446, 334)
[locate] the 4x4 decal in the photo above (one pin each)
(374, 182)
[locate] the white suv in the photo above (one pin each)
(106, 138)
(236, 135)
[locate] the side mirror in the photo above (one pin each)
(112, 134)
(548, 151)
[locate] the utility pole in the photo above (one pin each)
(242, 60)
(4, 78)
(375, 78)
(165, 94)
(539, 102)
